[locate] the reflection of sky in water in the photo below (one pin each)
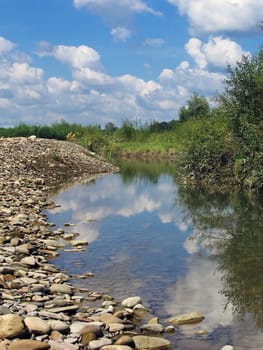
(139, 245)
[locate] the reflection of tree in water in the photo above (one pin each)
(146, 170)
(231, 226)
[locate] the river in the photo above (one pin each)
(181, 250)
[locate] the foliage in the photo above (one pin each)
(242, 100)
(196, 107)
(209, 150)
(242, 104)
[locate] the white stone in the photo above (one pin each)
(131, 302)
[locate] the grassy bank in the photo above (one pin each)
(204, 150)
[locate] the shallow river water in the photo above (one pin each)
(180, 250)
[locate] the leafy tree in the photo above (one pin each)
(243, 97)
(197, 106)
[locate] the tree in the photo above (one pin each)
(197, 106)
(243, 97)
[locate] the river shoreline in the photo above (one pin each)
(39, 308)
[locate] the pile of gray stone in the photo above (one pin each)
(39, 307)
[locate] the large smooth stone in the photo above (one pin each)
(57, 345)
(11, 326)
(36, 325)
(61, 289)
(56, 325)
(116, 347)
(109, 318)
(192, 317)
(150, 343)
(97, 344)
(125, 340)
(29, 261)
(131, 302)
(153, 328)
(27, 344)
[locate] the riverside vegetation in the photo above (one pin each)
(220, 146)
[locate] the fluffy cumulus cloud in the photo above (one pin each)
(76, 56)
(93, 96)
(121, 33)
(214, 16)
(188, 79)
(217, 52)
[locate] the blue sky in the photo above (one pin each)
(99, 61)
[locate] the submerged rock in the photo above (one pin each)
(192, 317)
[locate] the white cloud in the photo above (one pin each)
(91, 95)
(121, 34)
(187, 80)
(218, 52)
(154, 42)
(5, 46)
(214, 16)
(111, 6)
(76, 56)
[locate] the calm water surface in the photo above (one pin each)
(180, 250)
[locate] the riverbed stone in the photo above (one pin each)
(56, 325)
(87, 338)
(28, 344)
(131, 301)
(97, 344)
(125, 340)
(192, 317)
(152, 328)
(116, 347)
(109, 318)
(61, 288)
(143, 342)
(58, 345)
(11, 326)
(227, 347)
(36, 325)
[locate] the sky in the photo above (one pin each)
(97, 61)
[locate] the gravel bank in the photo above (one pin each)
(39, 308)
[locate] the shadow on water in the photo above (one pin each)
(180, 249)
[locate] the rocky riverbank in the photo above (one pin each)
(39, 307)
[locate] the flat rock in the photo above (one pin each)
(116, 347)
(70, 308)
(109, 318)
(150, 343)
(36, 325)
(97, 344)
(11, 326)
(192, 317)
(57, 288)
(58, 345)
(27, 344)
